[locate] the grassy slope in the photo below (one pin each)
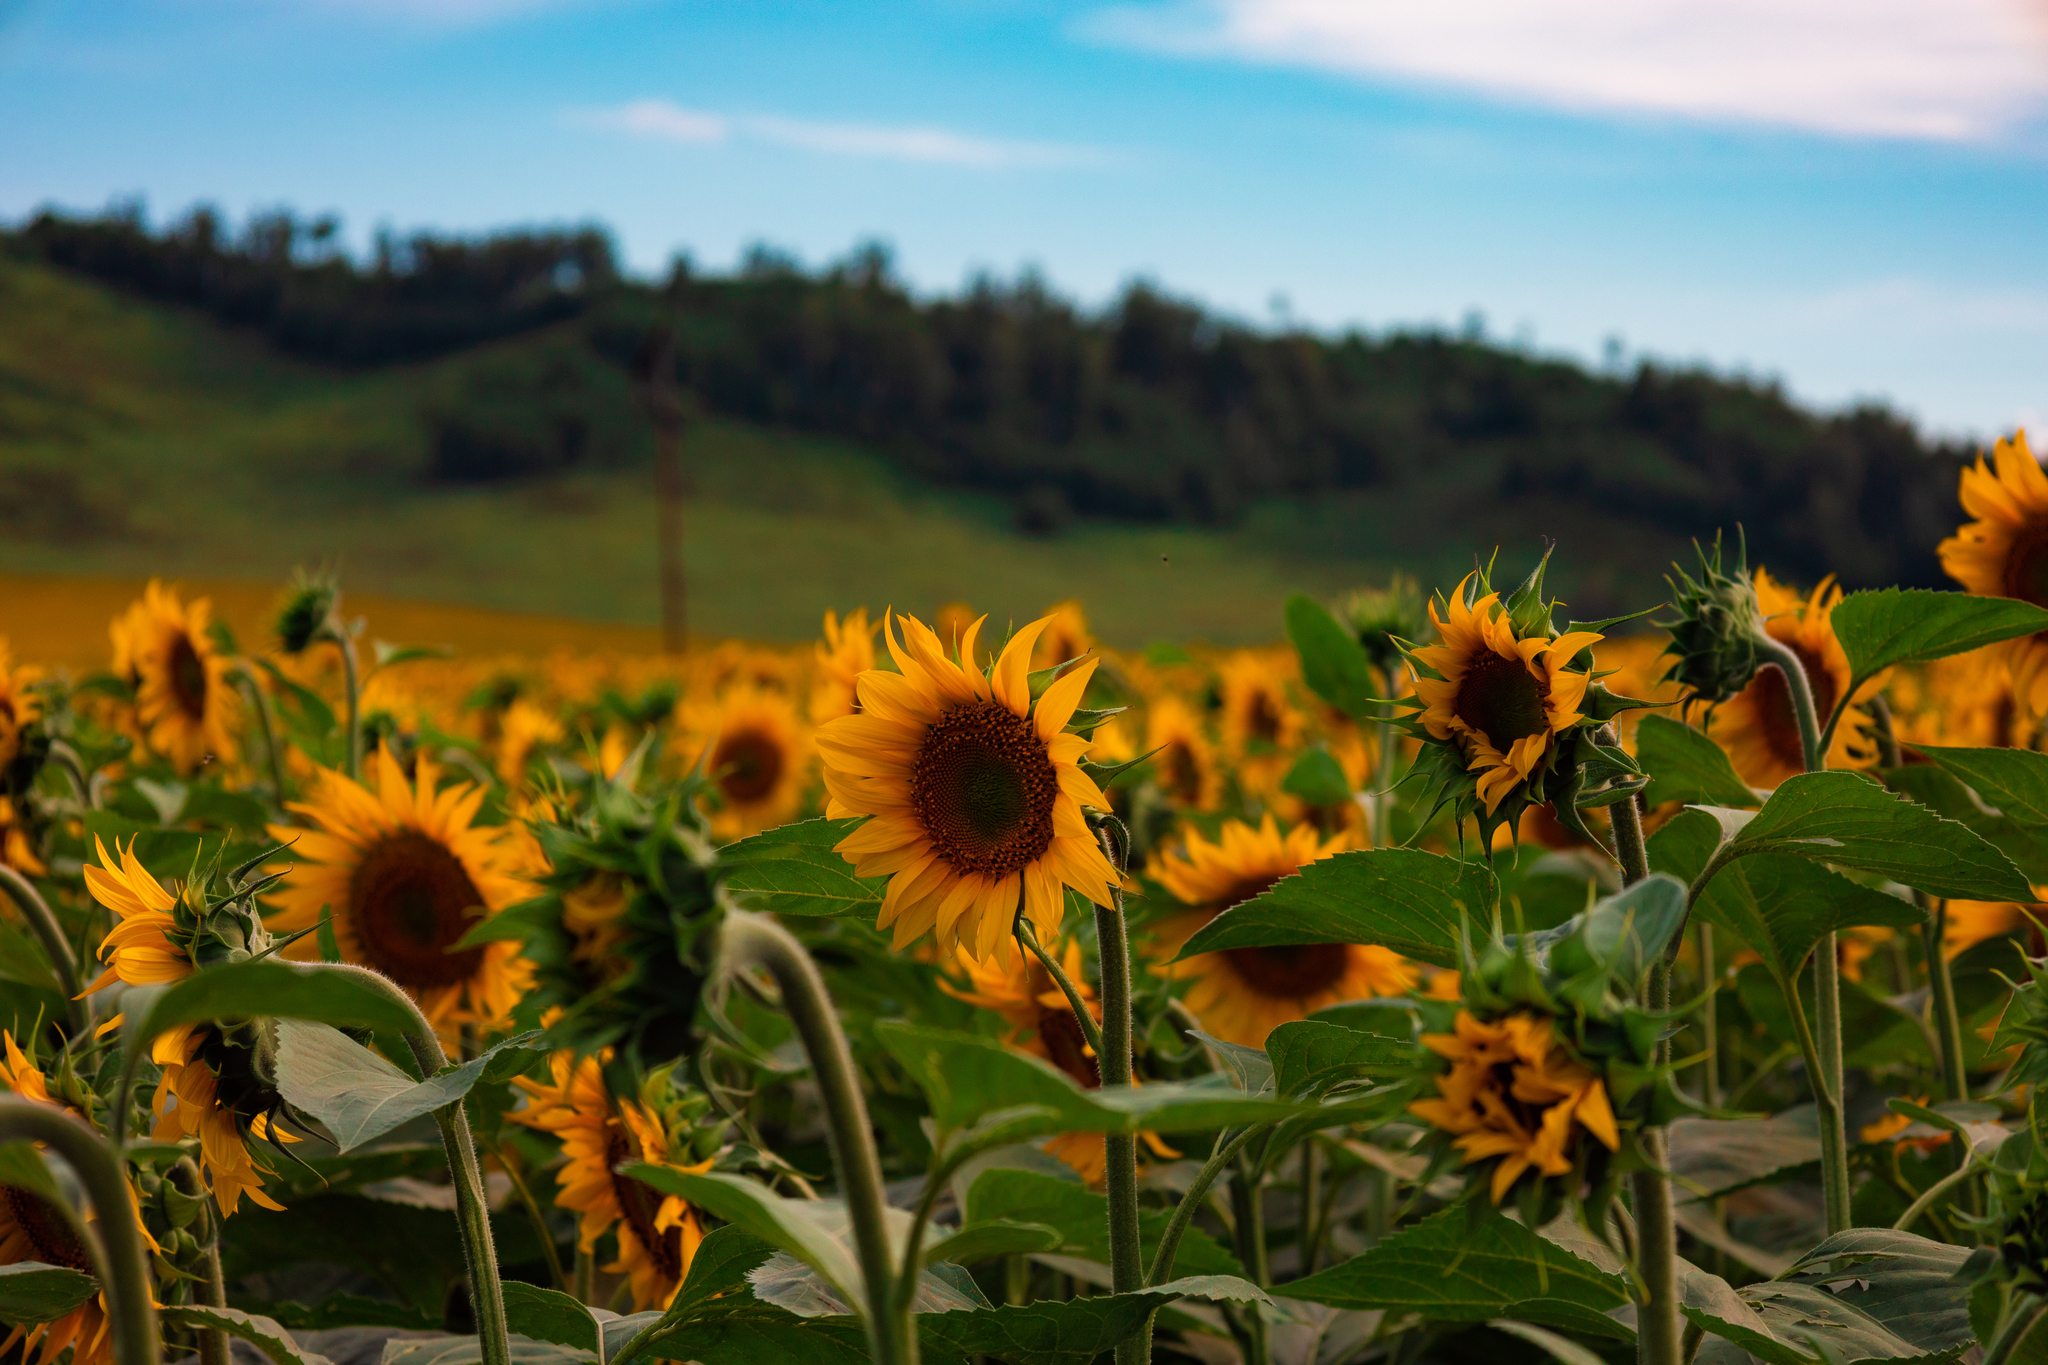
(136, 440)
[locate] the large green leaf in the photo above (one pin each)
(1850, 821)
(1869, 1294)
(978, 1242)
(1684, 765)
(792, 870)
(1878, 630)
(31, 1292)
(1712, 1157)
(358, 1095)
(1333, 663)
(2014, 781)
(968, 1078)
(814, 1233)
(1082, 1217)
(1777, 904)
(1935, 787)
(261, 1332)
(1403, 898)
(551, 1315)
(1470, 1264)
(1073, 1332)
(1310, 1055)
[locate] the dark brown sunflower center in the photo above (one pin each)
(641, 1205)
(1501, 699)
(2026, 566)
(748, 764)
(45, 1228)
(188, 677)
(1292, 972)
(1179, 774)
(1780, 724)
(1263, 718)
(1061, 1033)
(409, 902)
(983, 788)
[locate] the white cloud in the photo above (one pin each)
(1924, 69)
(671, 122)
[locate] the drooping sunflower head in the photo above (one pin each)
(1243, 994)
(847, 651)
(406, 873)
(1714, 635)
(973, 789)
(19, 707)
(1500, 699)
(185, 707)
(218, 1086)
(1040, 1017)
(309, 607)
(1758, 726)
(755, 753)
(1184, 766)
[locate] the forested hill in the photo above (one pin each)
(1152, 410)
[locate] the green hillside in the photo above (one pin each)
(136, 438)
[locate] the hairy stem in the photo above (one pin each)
(351, 678)
(1932, 1193)
(1227, 1148)
(1827, 1101)
(122, 1265)
(1941, 993)
(751, 940)
(43, 922)
(1249, 1213)
(267, 726)
(1085, 1017)
(1120, 1150)
(1710, 1017)
(1781, 655)
(209, 1287)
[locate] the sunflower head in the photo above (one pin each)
(1715, 631)
(1382, 618)
(1505, 707)
(20, 708)
(309, 609)
(178, 661)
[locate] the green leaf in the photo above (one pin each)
(792, 870)
(1849, 821)
(1684, 765)
(1318, 779)
(551, 1315)
(358, 1095)
(979, 1242)
(1618, 936)
(815, 1235)
(1333, 663)
(33, 1293)
(969, 1078)
(262, 1333)
(1870, 1294)
(1403, 898)
(1779, 905)
(1934, 787)
(1561, 1349)
(347, 1310)
(1470, 1264)
(1311, 1055)
(1073, 1332)
(1711, 1157)
(2012, 781)
(1878, 630)
(469, 1351)
(1081, 1217)
(1716, 1307)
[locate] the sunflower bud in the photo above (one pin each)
(1382, 618)
(309, 607)
(1719, 623)
(2023, 1249)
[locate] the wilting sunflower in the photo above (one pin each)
(1042, 1023)
(1066, 639)
(658, 1233)
(185, 708)
(756, 751)
(1757, 725)
(1502, 697)
(2004, 552)
(19, 707)
(1515, 1092)
(1183, 761)
(847, 652)
(1243, 994)
(406, 874)
(974, 793)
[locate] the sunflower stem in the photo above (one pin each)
(123, 1267)
(509, 1164)
(1827, 1101)
(1311, 1198)
(751, 940)
(43, 921)
(1941, 989)
(1028, 936)
(209, 1287)
(2026, 1315)
(1710, 1018)
(472, 1210)
(260, 704)
(1773, 652)
(351, 678)
(1248, 1212)
(1119, 1150)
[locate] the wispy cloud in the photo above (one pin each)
(665, 120)
(1919, 69)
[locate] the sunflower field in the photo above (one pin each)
(1449, 983)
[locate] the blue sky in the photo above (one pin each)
(1851, 197)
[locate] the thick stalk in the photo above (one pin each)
(123, 1267)
(1119, 1150)
(1248, 1211)
(43, 923)
(1311, 1200)
(1827, 1102)
(210, 1288)
(1941, 993)
(472, 1211)
(751, 940)
(1710, 1018)
(2025, 1317)
(1787, 663)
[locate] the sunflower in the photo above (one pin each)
(19, 707)
(406, 875)
(1514, 1092)
(658, 1234)
(974, 793)
(1066, 639)
(522, 728)
(1183, 761)
(1260, 725)
(17, 845)
(1042, 1023)
(1757, 725)
(594, 915)
(1891, 1125)
(2001, 553)
(1501, 697)
(756, 751)
(847, 652)
(1243, 994)
(1969, 923)
(1966, 700)
(185, 708)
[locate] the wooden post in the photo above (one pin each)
(665, 411)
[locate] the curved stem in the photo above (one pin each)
(268, 727)
(751, 940)
(1184, 1211)
(2017, 1329)
(1120, 1150)
(352, 680)
(124, 1268)
(50, 934)
(1085, 1017)
(1787, 663)
(1932, 1193)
